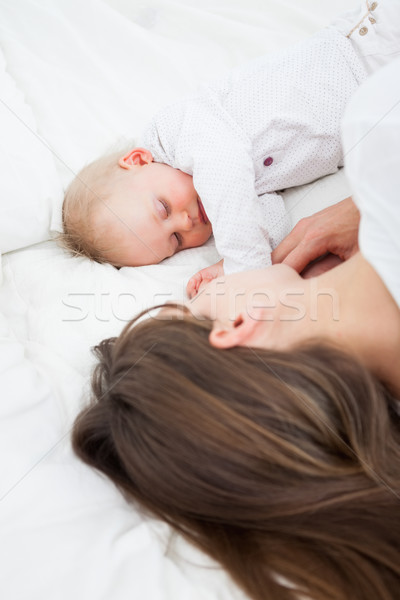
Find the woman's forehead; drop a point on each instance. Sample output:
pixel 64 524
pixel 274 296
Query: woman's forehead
pixel 220 298
pixel 224 297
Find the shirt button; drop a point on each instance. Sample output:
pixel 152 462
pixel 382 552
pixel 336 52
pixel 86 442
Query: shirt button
pixel 268 161
pixel 373 6
pixel 372 20
pixel 363 30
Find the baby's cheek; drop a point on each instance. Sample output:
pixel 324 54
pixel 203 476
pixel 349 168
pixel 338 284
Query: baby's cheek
pixel 200 238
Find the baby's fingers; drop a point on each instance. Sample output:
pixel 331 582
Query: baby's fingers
pixel 193 284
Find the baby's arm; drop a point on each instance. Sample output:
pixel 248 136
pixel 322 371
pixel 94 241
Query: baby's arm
pixel 203 277
pixel 239 220
pixel 199 137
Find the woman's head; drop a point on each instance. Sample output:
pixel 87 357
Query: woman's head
pixel 275 308
pixel 258 308
pixel 273 463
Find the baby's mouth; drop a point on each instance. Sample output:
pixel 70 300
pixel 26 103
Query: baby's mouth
pixel 202 213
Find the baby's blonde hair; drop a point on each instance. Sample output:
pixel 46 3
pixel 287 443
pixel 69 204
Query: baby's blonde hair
pixel 93 185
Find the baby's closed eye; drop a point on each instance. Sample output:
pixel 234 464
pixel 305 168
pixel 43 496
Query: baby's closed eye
pixel 179 240
pixel 162 208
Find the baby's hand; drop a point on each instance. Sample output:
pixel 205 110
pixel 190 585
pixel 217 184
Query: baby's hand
pixel 203 277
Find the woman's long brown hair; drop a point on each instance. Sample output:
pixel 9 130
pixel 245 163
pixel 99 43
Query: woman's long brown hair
pixel 284 467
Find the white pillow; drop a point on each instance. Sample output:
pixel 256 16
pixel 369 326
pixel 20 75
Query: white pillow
pixel 29 181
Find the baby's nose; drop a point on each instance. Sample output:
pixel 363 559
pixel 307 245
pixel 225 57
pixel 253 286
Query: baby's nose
pixel 186 221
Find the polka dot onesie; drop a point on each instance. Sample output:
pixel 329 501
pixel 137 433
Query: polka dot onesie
pixel 269 125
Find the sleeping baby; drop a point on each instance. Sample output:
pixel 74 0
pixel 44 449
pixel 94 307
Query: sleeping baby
pixel 216 161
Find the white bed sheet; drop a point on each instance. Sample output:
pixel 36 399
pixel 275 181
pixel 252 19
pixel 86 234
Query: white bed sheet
pixel 77 78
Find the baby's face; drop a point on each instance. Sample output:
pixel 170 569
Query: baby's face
pixel 154 213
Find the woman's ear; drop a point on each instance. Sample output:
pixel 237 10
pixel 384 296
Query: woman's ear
pixel 135 157
pixel 239 333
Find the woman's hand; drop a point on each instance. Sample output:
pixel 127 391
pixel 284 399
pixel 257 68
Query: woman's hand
pixel 321 265
pixel 203 277
pixel 333 229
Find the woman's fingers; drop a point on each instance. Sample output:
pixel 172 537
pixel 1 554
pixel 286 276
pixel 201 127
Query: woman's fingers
pixel 333 229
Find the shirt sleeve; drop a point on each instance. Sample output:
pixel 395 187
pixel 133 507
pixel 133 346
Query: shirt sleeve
pixel 200 138
pixel 371 131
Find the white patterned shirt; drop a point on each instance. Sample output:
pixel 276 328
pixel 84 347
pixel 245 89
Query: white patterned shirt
pixel 269 125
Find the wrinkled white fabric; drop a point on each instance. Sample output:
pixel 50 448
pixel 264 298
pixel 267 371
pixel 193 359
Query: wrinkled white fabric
pixel 91 72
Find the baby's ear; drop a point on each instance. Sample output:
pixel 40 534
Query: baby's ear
pixel 136 158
